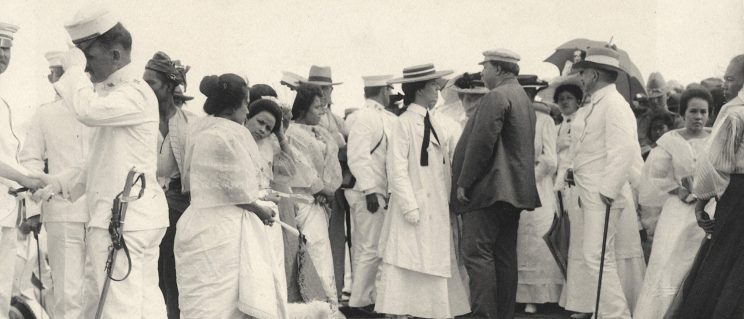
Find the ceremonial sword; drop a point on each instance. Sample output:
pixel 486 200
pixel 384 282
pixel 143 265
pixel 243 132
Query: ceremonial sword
pixel 116 231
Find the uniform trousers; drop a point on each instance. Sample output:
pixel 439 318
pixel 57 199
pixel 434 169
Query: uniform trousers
pixel 7 267
pixel 365 237
pixel 66 251
pixel 139 295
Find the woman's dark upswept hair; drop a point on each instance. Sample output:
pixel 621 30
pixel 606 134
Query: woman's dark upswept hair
pixel 261 90
pixel 226 92
pixel 265 105
pixel 694 92
pixel 305 97
pixel 410 89
pixel 574 89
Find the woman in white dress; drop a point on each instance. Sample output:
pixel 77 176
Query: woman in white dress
pixel 669 169
pixel 317 176
pixel 539 278
pixel 224 267
pixel 419 275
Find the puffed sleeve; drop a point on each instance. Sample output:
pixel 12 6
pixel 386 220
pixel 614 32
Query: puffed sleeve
pixel 711 177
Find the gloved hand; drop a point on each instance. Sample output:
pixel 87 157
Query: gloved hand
pixel 413 217
pixel 74 59
pixel 372 203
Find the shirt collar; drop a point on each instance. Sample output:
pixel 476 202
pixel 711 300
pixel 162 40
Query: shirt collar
pixel 123 74
pixel 601 93
pixel 417 109
pixel 741 94
pixel 372 104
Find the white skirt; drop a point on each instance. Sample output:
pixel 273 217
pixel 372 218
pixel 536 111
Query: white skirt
pixel 406 292
pixel 676 242
pixel 540 278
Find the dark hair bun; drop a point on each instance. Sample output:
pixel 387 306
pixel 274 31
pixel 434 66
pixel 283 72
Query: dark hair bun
pixel 210 85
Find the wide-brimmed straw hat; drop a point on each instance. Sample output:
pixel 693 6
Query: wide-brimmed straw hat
pixel 320 75
pixel 602 58
pixel 423 72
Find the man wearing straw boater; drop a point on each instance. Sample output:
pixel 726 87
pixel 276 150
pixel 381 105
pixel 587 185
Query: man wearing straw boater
pixel 367 149
pixel 123 112
pixel 607 155
pixel 55 135
pixel 493 180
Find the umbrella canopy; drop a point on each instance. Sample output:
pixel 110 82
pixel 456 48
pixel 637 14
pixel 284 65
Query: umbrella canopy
pixel 628 84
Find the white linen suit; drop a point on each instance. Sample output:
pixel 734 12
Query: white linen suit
pixel 607 157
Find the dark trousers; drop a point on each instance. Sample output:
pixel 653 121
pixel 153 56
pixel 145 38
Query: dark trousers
pixel 489 249
pixel 177 204
pixel 337 236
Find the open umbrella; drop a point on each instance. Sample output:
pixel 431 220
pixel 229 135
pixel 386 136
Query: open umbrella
pixel 628 84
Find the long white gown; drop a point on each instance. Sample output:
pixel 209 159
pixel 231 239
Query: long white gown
pixel 677 236
pixel 224 257
pixel 540 278
pixel 419 276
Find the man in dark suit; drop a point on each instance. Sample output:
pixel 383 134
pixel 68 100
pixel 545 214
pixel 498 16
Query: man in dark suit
pixel 493 181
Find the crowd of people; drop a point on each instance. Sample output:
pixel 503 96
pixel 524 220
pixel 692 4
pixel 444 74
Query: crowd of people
pixel 269 208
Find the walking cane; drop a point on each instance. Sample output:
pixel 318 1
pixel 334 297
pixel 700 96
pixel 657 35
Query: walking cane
pixel 602 259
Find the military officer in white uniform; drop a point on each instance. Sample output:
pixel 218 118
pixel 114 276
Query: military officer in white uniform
pixel 123 112
pixel 366 151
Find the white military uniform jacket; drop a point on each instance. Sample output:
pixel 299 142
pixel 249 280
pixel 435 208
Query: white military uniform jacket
pixel 607 153
pixel 56 135
pixel 10 145
pixel 424 247
pixel 124 113
pixel 369 127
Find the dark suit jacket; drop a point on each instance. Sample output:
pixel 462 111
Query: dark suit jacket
pixel 495 157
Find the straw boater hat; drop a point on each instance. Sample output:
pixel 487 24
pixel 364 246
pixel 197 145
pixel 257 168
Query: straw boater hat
pixel 602 58
pixel 6 34
pixel 371 81
pixel 292 80
pixel 320 75
pixel 656 85
pixel 89 23
pixel 423 72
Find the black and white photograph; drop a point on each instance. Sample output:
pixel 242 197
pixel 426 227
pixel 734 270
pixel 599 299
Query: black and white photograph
pixel 402 159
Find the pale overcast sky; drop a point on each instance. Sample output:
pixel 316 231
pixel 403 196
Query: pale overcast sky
pixel 685 40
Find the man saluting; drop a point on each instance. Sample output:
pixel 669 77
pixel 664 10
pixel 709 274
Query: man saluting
pixel 123 111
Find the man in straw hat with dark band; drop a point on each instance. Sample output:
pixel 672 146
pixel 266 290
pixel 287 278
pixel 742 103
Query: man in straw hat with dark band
pixel 493 180
pixel 54 134
pixel 123 110
pixel 419 275
pixel 607 158
pixel 164 76
pixel 370 127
